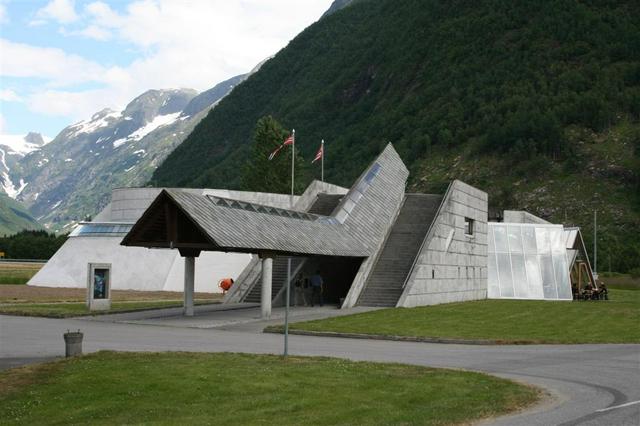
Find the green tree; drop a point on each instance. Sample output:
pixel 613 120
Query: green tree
pixel 31 245
pixel 263 175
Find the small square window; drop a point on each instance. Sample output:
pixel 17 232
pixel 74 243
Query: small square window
pixel 468 226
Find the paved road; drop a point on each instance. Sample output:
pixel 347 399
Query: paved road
pixel 590 384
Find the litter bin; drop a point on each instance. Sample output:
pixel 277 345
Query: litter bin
pixel 73 343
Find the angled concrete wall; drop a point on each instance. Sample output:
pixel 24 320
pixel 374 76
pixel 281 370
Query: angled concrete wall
pixel 372 216
pixel 135 268
pixel 452 266
pixel 306 200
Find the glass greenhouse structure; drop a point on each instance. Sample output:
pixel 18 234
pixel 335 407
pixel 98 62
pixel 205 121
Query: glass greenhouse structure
pixel 528 261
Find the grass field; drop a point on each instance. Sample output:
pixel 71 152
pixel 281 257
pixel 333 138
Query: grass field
pixel 31 294
pixel 18 273
pixel 620 281
pixel 504 321
pixel 235 389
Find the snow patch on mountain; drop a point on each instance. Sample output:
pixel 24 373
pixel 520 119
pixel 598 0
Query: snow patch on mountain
pixel 98 120
pixel 7 184
pixel 19 144
pixel 158 121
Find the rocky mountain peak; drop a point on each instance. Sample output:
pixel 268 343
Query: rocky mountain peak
pixel 158 102
pixel 34 139
pixel 102 114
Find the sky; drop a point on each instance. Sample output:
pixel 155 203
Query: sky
pixel 63 60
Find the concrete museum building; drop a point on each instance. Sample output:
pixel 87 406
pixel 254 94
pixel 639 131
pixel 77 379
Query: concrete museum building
pixel 374 244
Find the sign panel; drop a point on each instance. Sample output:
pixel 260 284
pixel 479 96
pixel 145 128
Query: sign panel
pixel 99 286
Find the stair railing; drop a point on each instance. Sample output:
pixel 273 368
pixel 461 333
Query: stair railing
pixel 243 284
pixel 295 270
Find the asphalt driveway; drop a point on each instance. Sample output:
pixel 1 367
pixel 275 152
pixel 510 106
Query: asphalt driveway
pixel 589 384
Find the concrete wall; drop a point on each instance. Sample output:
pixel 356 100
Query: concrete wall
pixel 452 266
pixel 520 216
pixel 135 268
pixel 306 200
pixel 372 217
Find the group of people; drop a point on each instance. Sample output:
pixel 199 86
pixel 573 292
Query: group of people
pixel 308 290
pixel 590 292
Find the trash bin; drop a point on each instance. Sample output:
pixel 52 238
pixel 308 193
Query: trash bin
pixel 73 343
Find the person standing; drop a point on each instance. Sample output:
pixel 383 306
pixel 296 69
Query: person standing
pixel 316 287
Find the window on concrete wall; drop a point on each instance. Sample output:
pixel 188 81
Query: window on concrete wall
pixel 468 226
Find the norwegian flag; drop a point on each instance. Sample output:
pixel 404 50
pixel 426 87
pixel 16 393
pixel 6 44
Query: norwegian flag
pixel 274 153
pixel 319 154
pixel 288 141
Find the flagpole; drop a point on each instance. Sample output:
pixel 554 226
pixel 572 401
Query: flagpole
pixel 322 159
pixel 288 289
pixel 293 162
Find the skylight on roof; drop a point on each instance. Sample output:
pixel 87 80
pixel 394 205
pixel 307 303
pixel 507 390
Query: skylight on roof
pixel 93 229
pixel 259 208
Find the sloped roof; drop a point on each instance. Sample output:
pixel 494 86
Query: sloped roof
pixel 280 230
pixel 355 229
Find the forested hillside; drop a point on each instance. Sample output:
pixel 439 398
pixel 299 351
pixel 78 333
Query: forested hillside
pixel 537 103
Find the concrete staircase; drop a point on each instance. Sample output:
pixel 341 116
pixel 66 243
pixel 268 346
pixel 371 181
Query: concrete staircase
pixel 385 283
pixel 278 278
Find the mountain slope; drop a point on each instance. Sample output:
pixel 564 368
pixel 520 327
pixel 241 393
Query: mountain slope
pixel 12 151
pixel 498 83
pixel 14 217
pixel 71 177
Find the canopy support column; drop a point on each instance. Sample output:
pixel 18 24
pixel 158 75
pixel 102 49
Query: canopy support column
pixel 265 296
pixel 189 279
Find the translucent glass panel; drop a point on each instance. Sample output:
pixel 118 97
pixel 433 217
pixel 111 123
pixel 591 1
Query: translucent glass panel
pixel 527 261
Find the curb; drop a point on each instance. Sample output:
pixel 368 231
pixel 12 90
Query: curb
pixel 400 338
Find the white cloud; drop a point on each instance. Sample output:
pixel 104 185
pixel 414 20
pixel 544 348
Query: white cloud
pixel 195 44
pixel 8 95
pixel 91 31
pixel 62 11
pixel 75 105
pixel 54 65
pixel 2 124
pixel 200 42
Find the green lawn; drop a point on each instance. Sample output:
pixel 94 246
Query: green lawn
pixel 506 321
pixel 236 389
pixel 65 310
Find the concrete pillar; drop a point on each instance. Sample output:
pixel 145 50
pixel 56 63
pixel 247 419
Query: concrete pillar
pixel 265 299
pixel 189 278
